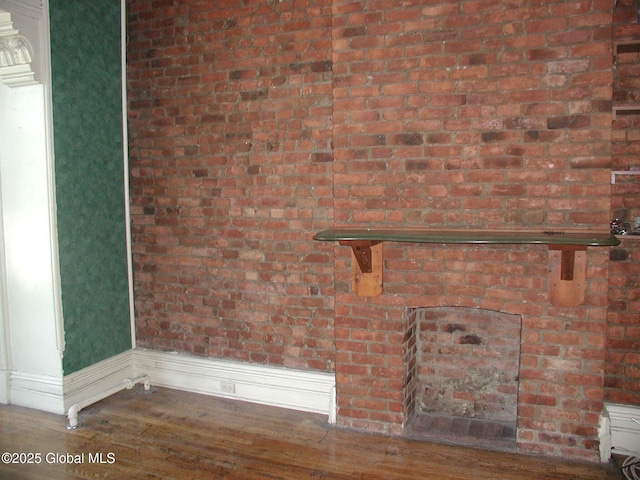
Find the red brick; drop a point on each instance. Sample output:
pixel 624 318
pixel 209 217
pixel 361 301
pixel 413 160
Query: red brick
pixel 409 118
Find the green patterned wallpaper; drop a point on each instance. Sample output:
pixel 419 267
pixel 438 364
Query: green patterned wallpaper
pixel 87 119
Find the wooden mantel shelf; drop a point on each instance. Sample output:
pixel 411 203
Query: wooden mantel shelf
pixel 459 235
pixel 567 253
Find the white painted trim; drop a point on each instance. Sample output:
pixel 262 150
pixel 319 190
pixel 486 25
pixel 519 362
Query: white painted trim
pixel 125 156
pixel 51 174
pixel 5 380
pixel 305 391
pixel 32 390
pixel 280 387
pixel 625 433
pixel 5 335
pixel 98 381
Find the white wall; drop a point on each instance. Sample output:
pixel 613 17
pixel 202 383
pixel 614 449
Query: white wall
pixel 31 335
pixel 5 365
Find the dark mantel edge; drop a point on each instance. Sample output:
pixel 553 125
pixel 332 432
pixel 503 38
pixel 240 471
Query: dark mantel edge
pixel 470 236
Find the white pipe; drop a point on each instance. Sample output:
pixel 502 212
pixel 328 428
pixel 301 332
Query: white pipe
pixel 128 384
pixel 144 379
pixel 72 416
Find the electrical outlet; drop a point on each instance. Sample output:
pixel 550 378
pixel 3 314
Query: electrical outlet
pixel 227 387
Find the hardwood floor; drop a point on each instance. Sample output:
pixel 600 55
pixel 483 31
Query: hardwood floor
pixel 169 434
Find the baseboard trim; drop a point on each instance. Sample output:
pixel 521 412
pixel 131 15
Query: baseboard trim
pixel 98 381
pixel 41 392
pixel 5 381
pixel 274 386
pixel 625 433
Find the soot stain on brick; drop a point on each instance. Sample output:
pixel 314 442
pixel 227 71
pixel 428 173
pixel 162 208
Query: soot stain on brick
pixel 410 139
pixel 354 31
pixel 325 66
pixel 570 121
pixel 515 151
pixel 321 157
pixel 417 165
pixel 470 340
pixel 454 327
pixel 493 136
pixel 618 255
pixel 254 95
pixel 240 74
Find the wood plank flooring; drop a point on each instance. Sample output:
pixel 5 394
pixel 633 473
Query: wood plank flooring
pixel 169 434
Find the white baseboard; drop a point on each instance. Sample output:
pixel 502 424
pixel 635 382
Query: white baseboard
pixel 98 381
pixel 625 433
pixel 36 391
pixel 280 387
pixel 5 376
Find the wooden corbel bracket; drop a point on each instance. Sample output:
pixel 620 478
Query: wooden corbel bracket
pixel 567 253
pixel 366 267
pixel 567 275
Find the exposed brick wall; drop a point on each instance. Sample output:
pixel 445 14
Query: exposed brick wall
pixel 230 120
pixel 256 123
pixel 474 114
pixel 623 331
pixel 625 139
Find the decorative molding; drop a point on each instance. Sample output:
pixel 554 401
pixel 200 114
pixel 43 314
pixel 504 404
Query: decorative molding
pixel 32 7
pixel 279 387
pixel 16 55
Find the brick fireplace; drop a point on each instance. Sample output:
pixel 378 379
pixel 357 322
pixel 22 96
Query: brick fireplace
pixel 461 377
pixel 479 115
pixel 524 375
